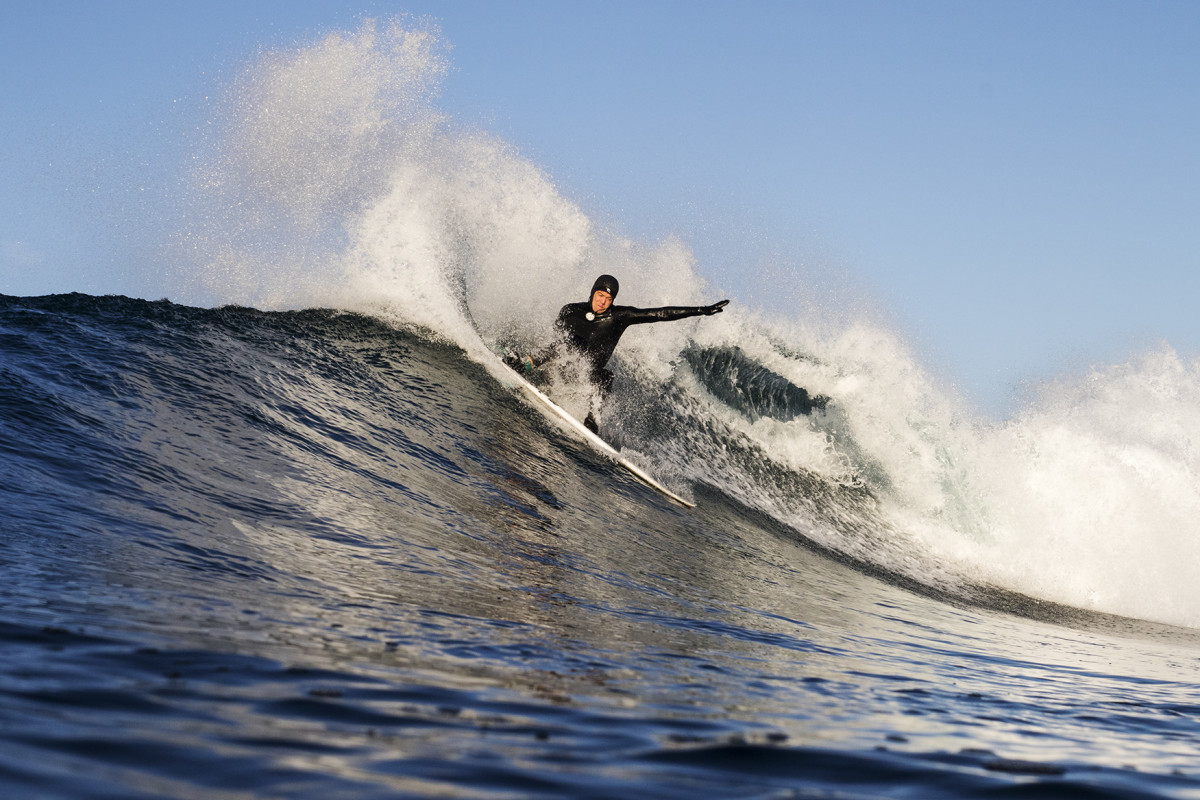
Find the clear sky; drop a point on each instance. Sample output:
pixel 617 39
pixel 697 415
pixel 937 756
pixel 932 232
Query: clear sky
pixel 1014 185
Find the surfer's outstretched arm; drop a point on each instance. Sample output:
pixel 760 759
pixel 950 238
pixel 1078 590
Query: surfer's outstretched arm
pixel 639 316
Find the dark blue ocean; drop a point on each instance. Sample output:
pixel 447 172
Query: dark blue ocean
pixel 318 554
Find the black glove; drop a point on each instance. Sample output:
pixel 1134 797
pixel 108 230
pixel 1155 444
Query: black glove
pixel 715 308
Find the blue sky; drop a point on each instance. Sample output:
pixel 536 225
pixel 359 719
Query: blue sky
pixel 1013 185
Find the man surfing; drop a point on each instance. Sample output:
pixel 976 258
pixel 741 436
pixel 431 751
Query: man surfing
pixel 593 328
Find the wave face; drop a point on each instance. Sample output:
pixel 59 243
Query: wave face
pixel 291 525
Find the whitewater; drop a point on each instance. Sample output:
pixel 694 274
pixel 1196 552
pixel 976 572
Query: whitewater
pixel 285 534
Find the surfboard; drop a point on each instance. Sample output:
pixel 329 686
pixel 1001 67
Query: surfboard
pixel 604 448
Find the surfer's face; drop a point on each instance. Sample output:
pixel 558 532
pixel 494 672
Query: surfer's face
pixel 601 300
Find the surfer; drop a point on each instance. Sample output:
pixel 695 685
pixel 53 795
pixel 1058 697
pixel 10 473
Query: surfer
pixel 592 329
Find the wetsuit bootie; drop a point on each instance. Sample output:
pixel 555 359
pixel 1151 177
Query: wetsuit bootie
pixel 589 422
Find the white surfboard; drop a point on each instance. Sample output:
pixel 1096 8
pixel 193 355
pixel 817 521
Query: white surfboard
pixel 595 441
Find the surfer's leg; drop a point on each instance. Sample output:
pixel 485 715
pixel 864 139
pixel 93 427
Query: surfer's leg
pixel 602 379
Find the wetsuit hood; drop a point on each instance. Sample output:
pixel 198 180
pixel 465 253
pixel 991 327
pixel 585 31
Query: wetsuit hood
pixel 605 283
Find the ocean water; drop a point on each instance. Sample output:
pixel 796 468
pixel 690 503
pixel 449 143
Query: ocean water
pixel 286 535
pixel 309 554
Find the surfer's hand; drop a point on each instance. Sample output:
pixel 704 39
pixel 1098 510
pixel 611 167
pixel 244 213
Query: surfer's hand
pixel 519 363
pixel 715 308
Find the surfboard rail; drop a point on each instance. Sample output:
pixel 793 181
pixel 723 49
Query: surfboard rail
pixel 603 447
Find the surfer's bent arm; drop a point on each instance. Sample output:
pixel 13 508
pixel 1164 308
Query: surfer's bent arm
pixel 528 363
pixel 550 352
pixel 532 361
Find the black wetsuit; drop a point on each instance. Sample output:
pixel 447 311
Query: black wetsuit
pixel 595 336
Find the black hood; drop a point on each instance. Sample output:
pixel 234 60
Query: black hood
pixel 606 283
